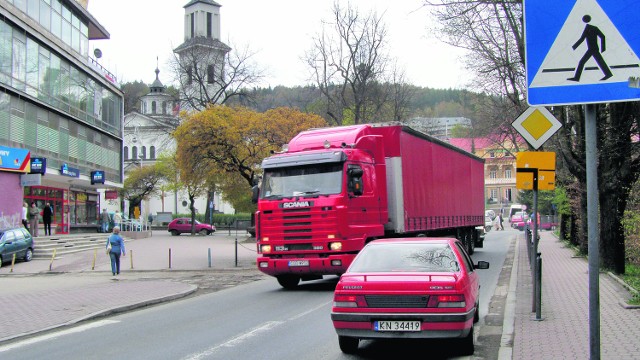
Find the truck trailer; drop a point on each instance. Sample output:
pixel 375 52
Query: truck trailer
pixel 332 190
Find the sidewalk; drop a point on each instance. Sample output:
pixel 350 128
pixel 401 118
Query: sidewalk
pixel 36 299
pixel 563 332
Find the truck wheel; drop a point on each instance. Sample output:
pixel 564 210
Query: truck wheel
pixel 288 281
pixel 348 345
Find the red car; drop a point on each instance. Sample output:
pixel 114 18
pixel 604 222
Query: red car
pixel 408 288
pixel 183 225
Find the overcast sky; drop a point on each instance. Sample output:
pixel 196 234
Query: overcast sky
pixel 279 31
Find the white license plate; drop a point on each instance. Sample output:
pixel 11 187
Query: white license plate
pixel 396 325
pixel 299 263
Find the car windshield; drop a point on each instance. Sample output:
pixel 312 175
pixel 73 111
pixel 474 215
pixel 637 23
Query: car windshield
pixel 388 257
pixel 315 179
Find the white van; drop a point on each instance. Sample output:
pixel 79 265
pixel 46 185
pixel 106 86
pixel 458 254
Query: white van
pixel 514 209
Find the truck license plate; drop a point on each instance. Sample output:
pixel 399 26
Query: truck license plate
pixel 396 325
pixel 299 263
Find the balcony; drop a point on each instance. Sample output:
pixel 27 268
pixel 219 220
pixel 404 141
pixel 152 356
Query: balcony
pixel 500 181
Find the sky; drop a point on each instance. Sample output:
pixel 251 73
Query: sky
pixel 278 31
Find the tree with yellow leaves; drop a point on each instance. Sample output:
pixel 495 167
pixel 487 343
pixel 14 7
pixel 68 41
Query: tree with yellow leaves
pixel 234 140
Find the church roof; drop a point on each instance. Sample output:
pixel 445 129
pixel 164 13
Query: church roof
pixel 210 2
pixel 203 41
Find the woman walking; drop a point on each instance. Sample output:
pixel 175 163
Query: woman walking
pixel 115 247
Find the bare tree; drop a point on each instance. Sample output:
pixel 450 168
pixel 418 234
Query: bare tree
pixel 210 72
pixel 348 62
pixel 492 33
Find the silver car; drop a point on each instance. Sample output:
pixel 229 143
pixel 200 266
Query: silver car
pixel 15 242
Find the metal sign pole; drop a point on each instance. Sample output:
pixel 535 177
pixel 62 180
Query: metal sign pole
pixel 592 223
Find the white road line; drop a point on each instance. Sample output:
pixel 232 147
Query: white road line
pixel 57 334
pixel 249 334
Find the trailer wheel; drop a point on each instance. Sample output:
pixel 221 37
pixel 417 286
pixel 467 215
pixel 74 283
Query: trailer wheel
pixel 288 281
pixel 469 241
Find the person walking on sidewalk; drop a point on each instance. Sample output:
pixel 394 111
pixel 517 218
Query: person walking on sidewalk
pixel 500 222
pixel 115 248
pixel 104 221
pixel 34 219
pixel 25 212
pixel 117 218
pixel 46 219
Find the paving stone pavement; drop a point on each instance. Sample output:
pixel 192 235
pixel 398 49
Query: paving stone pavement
pixel 563 332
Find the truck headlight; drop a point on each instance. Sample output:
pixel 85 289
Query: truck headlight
pixel 265 248
pixel 335 246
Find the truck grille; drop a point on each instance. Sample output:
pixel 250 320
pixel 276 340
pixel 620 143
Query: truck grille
pixel 299 224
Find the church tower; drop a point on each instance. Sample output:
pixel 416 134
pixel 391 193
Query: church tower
pixel 201 55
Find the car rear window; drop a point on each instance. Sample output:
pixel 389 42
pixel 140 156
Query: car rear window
pixel 389 257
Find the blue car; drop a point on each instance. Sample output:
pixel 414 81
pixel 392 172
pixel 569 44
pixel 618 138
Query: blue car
pixel 16 241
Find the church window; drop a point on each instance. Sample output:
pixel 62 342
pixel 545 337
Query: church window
pixel 143 153
pixel 134 152
pixel 209 25
pixel 164 107
pixel 210 74
pixel 126 153
pixel 193 25
pixel 152 152
pixel 189 75
pixel 153 107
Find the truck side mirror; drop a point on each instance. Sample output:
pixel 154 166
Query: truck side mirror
pixel 255 194
pixel 355 180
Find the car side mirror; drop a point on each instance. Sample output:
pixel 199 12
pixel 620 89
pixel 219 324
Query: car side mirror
pixel 481 265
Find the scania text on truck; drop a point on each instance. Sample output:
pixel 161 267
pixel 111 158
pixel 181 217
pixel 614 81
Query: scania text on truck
pixel 332 190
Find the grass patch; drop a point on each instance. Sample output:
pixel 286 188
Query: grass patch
pixel 632 278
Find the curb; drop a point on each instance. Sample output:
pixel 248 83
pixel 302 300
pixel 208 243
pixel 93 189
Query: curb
pixel 506 341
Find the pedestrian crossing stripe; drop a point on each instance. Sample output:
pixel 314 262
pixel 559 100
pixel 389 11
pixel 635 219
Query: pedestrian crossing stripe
pixel 560 63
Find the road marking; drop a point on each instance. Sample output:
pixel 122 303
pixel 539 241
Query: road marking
pixel 57 334
pixel 249 334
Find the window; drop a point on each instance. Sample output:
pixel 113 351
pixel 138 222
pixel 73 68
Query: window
pixel 143 153
pixel 494 193
pixel 507 173
pixel 493 174
pixel 164 107
pixel 193 24
pixel 507 194
pixel 134 153
pixel 210 74
pixel 153 107
pixel 126 153
pixel 152 152
pixel 492 154
pixel 209 25
pixel 189 76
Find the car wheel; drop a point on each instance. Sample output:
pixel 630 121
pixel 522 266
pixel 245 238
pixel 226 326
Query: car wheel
pixel 348 345
pixel 1 261
pixel 288 281
pixel 466 344
pixel 28 255
pixel 175 232
pixel 204 232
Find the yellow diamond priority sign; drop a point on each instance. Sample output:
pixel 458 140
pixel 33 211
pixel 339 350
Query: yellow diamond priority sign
pixel 536 125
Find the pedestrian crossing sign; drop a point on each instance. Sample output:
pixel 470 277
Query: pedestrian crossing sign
pixel 583 51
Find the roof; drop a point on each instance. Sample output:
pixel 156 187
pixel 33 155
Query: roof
pixel 203 41
pixel 210 2
pixel 466 143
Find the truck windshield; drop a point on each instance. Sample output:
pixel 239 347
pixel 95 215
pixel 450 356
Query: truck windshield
pixel 312 180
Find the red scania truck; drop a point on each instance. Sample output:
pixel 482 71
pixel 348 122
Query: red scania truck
pixel 332 190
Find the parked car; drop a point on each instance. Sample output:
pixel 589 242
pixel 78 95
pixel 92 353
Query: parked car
pixel 16 241
pixel 519 217
pixel 488 223
pixel 183 225
pixel 408 288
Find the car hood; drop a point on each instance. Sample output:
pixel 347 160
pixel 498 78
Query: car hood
pixel 404 281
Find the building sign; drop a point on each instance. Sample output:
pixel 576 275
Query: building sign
pixel 30 180
pixel 97 177
pixel 13 159
pixel 38 165
pixel 111 194
pixel 69 171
